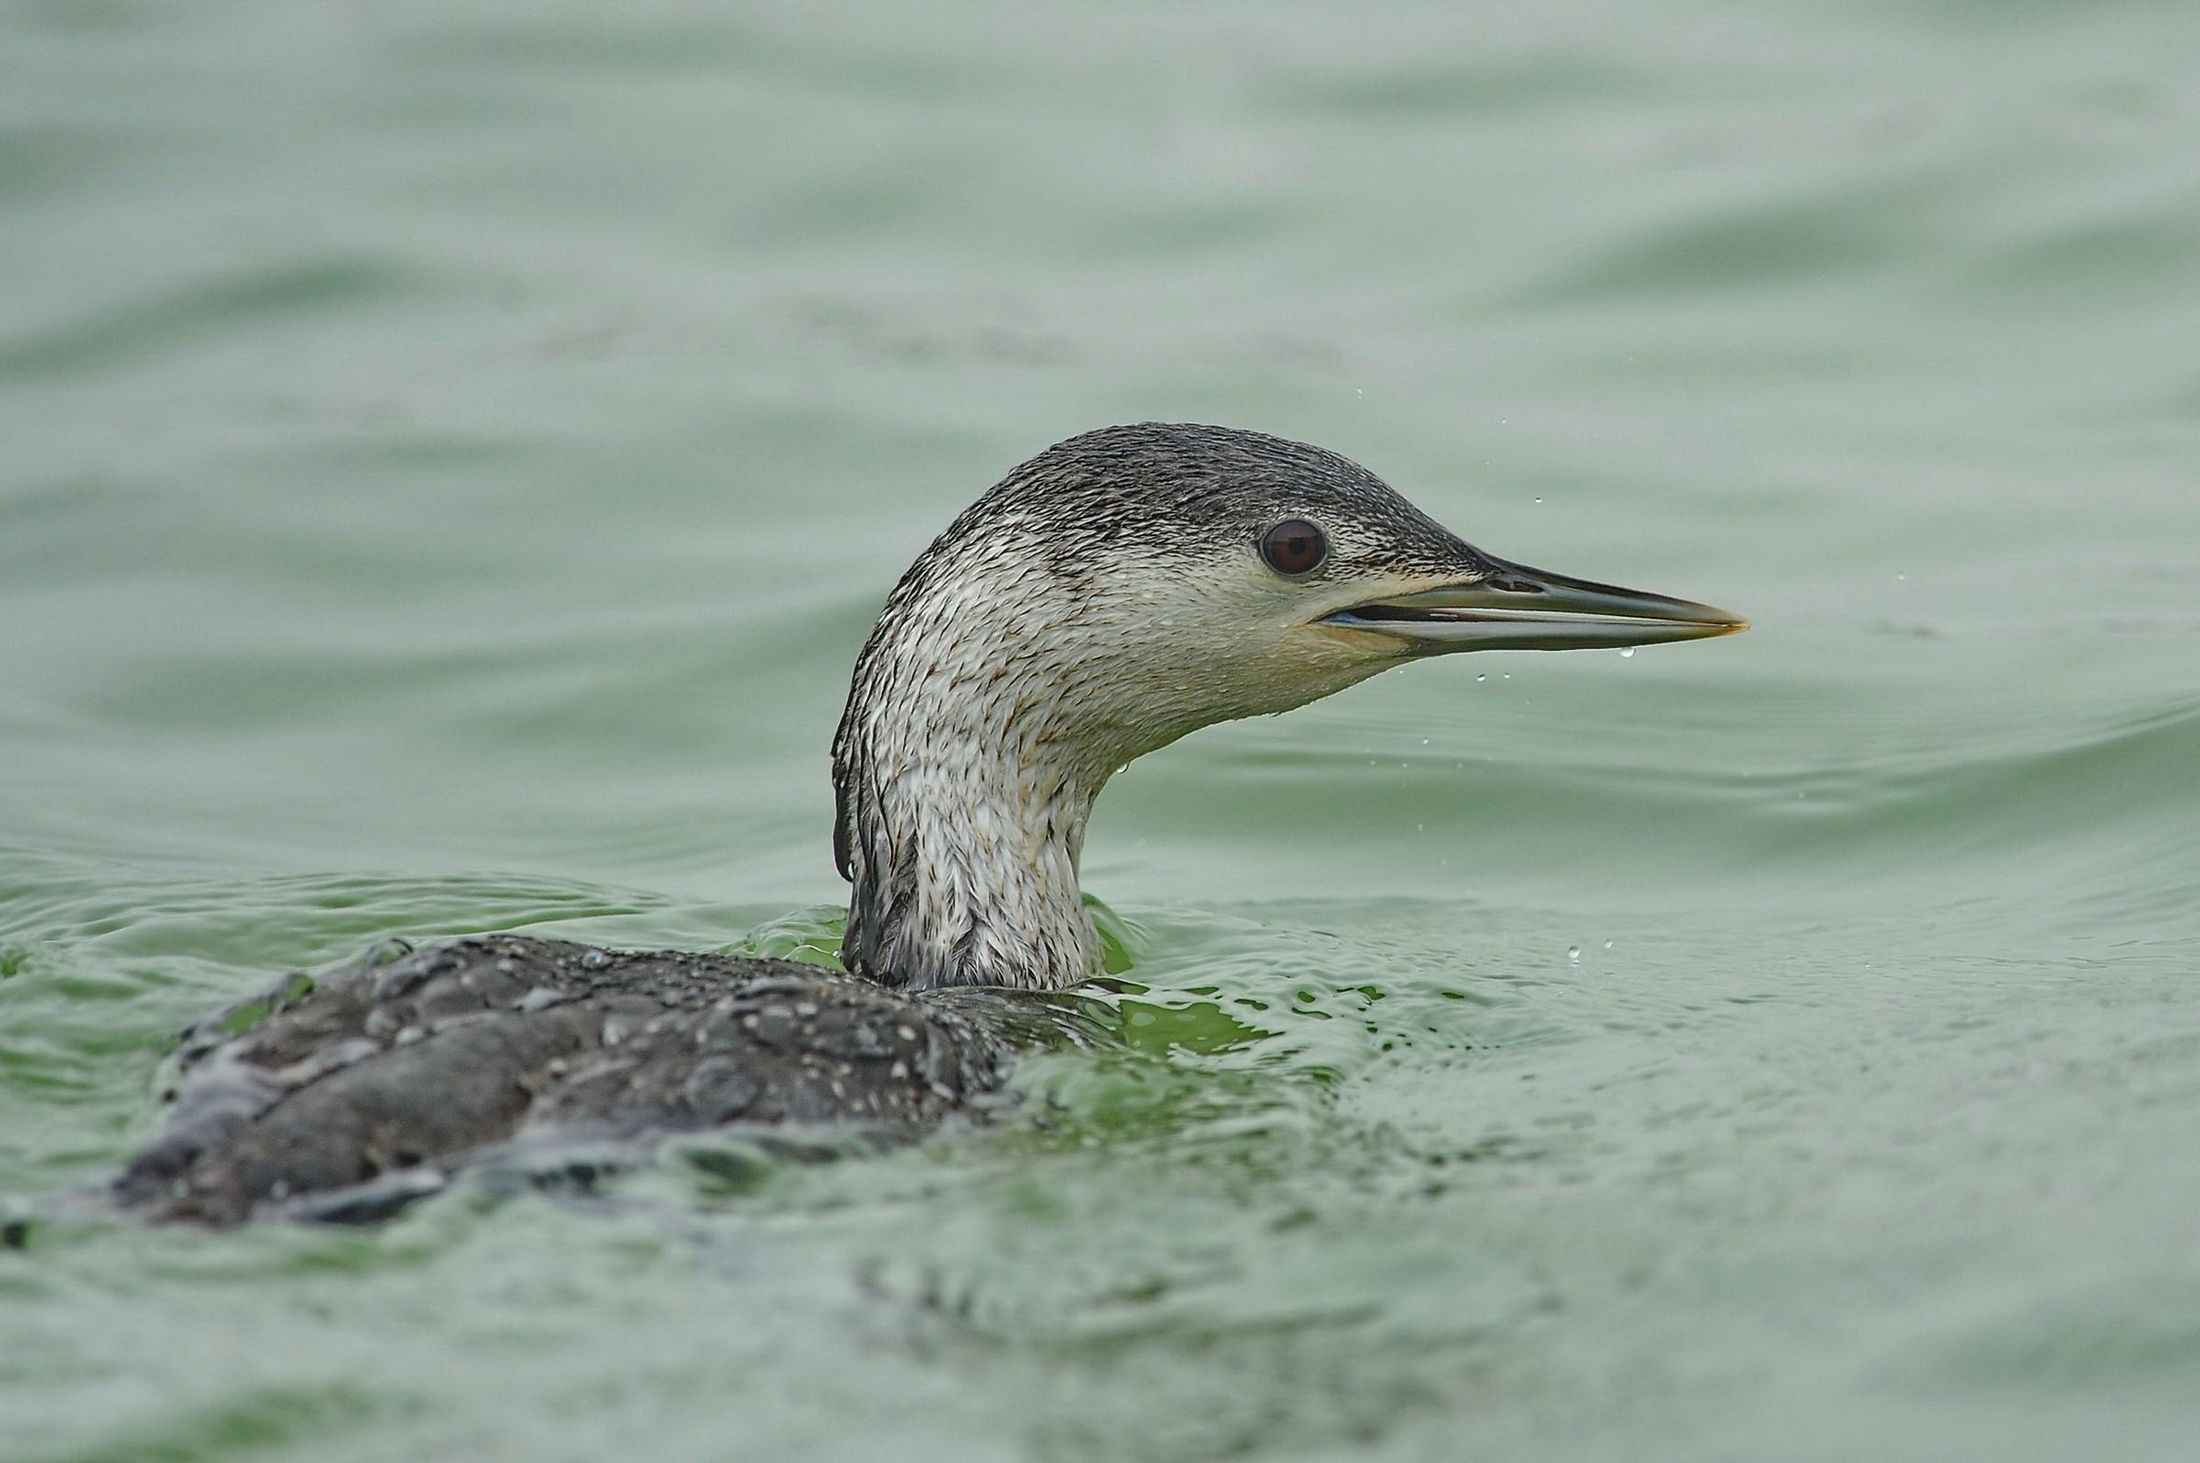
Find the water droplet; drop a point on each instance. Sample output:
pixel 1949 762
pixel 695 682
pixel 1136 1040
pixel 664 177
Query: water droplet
pixel 1573 953
pixel 1539 500
pixel 1481 678
pixel 1628 653
pixel 1607 944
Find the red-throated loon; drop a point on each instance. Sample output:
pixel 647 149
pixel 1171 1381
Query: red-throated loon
pixel 1120 589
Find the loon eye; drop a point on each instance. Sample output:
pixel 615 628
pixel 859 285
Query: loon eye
pixel 1294 547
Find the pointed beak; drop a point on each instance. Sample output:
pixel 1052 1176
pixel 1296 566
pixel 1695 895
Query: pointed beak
pixel 1512 607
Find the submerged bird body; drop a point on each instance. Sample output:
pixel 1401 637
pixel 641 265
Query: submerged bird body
pixel 1115 592
pixel 362 1092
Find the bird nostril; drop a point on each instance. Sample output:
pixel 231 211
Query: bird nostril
pixel 1517 586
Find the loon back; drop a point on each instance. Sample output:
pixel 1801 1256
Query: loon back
pixel 1117 591
pixel 367 1089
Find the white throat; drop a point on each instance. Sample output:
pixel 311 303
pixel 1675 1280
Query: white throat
pixel 964 866
pixel 963 789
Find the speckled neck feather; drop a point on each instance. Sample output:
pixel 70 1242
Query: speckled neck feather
pixel 963 794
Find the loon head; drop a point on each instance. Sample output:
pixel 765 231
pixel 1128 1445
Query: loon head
pixel 1117 591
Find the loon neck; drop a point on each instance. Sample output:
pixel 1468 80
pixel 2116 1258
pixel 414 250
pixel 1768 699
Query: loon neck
pixel 964 771
pixel 961 842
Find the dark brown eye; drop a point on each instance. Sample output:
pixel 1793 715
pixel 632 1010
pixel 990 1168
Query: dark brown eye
pixel 1294 547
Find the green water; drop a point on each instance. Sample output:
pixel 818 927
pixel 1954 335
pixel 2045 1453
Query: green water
pixel 451 454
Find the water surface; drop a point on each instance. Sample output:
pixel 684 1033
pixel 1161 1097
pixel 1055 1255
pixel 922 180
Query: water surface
pixel 453 454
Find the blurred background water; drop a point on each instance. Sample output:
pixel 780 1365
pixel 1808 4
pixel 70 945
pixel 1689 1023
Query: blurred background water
pixel 452 454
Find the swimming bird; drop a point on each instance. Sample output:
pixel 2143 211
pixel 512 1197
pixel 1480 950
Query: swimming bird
pixel 1120 589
